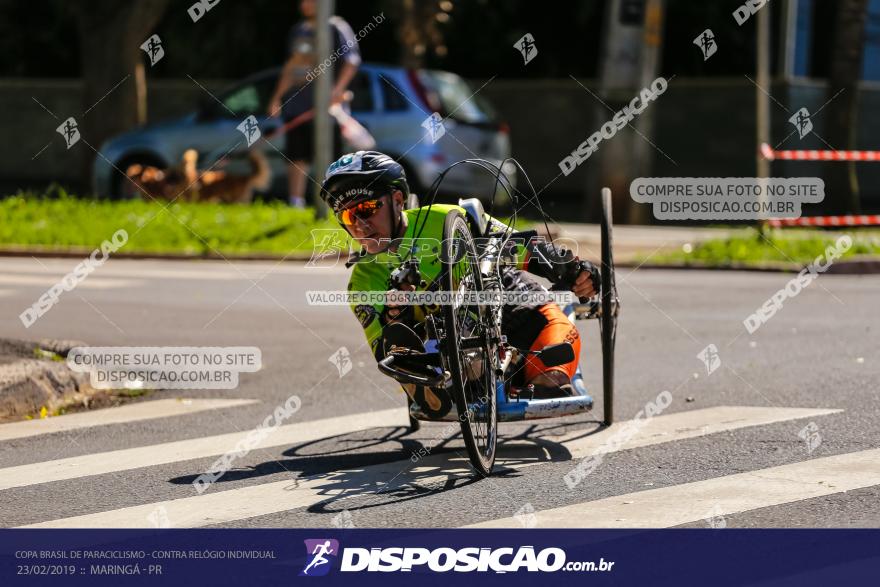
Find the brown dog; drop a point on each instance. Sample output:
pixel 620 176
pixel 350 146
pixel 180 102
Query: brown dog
pixel 220 186
pixel 152 183
pixel 184 182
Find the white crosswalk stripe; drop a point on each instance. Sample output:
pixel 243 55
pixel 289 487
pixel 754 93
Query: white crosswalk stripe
pixel 184 450
pixel 720 496
pixel 218 506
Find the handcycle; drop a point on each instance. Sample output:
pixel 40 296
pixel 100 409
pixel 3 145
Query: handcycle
pixel 462 353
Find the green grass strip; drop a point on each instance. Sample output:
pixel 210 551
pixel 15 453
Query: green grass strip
pixel 777 246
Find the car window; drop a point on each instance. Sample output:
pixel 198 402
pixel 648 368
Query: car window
pixel 392 95
pixel 458 97
pixel 247 99
pixel 362 89
pixel 244 101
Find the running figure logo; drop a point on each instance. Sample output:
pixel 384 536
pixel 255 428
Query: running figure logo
pixel 318 550
pixel 154 50
pixel 250 129
pixel 710 358
pixel 434 125
pixel 811 436
pixel 329 244
pixel 342 360
pixel 801 121
pixel 69 131
pixel 526 46
pixel 706 43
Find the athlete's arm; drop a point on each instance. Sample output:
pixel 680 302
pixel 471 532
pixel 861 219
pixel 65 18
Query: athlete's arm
pixel 366 278
pixel 554 262
pixel 373 277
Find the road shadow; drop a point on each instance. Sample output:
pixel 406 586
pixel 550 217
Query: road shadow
pixel 379 466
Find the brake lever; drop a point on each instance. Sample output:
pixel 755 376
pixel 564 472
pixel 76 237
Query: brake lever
pixel 407 274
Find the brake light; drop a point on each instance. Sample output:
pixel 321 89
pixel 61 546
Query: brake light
pixel 504 128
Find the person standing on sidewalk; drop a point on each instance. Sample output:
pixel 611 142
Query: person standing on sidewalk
pixel 294 97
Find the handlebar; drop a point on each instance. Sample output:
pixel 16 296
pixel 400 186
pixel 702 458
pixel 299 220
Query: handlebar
pixel 407 374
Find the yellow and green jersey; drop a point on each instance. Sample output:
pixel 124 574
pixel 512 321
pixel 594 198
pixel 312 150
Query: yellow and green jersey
pixel 423 236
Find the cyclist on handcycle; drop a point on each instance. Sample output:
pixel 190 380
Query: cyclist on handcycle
pixel 367 192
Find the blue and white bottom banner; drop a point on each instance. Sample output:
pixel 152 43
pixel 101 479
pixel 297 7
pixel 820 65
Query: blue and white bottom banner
pixel 417 557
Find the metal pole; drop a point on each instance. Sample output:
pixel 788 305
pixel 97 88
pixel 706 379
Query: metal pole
pixel 763 90
pixel 630 54
pixel 323 121
pixel 649 65
pixel 763 103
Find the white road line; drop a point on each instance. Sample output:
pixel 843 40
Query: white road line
pixel 184 450
pixel 721 496
pixel 113 272
pixel 690 424
pixel 218 506
pixel 147 410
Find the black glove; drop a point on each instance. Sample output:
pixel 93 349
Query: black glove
pixel 559 265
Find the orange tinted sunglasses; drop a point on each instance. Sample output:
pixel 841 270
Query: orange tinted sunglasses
pixel 361 210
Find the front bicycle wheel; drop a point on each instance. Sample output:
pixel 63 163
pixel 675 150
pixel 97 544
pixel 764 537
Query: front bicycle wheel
pixel 470 352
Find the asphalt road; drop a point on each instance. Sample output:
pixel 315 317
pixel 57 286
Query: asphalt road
pixel 819 352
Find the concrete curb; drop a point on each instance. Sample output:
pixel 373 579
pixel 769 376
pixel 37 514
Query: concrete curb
pixel 869 266
pixel 32 377
pixel 83 253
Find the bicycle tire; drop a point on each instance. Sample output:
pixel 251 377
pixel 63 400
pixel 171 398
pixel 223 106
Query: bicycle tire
pixel 610 308
pixel 479 428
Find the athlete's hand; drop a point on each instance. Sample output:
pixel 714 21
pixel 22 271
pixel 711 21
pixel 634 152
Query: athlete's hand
pixel 583 286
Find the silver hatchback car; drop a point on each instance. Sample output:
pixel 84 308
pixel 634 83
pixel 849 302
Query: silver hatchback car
pixel 391 102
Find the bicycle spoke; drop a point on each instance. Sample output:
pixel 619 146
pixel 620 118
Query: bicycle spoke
pixel 474 365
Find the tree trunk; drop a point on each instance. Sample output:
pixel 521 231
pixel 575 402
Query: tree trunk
pixel 841 182
pixel 629 61
pixel 114 95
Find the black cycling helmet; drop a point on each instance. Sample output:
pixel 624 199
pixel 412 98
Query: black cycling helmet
pixel 361 176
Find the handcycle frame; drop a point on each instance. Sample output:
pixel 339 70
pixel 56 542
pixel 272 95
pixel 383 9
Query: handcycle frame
pixel 514 409
pixel 518 408
pixel 510 403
